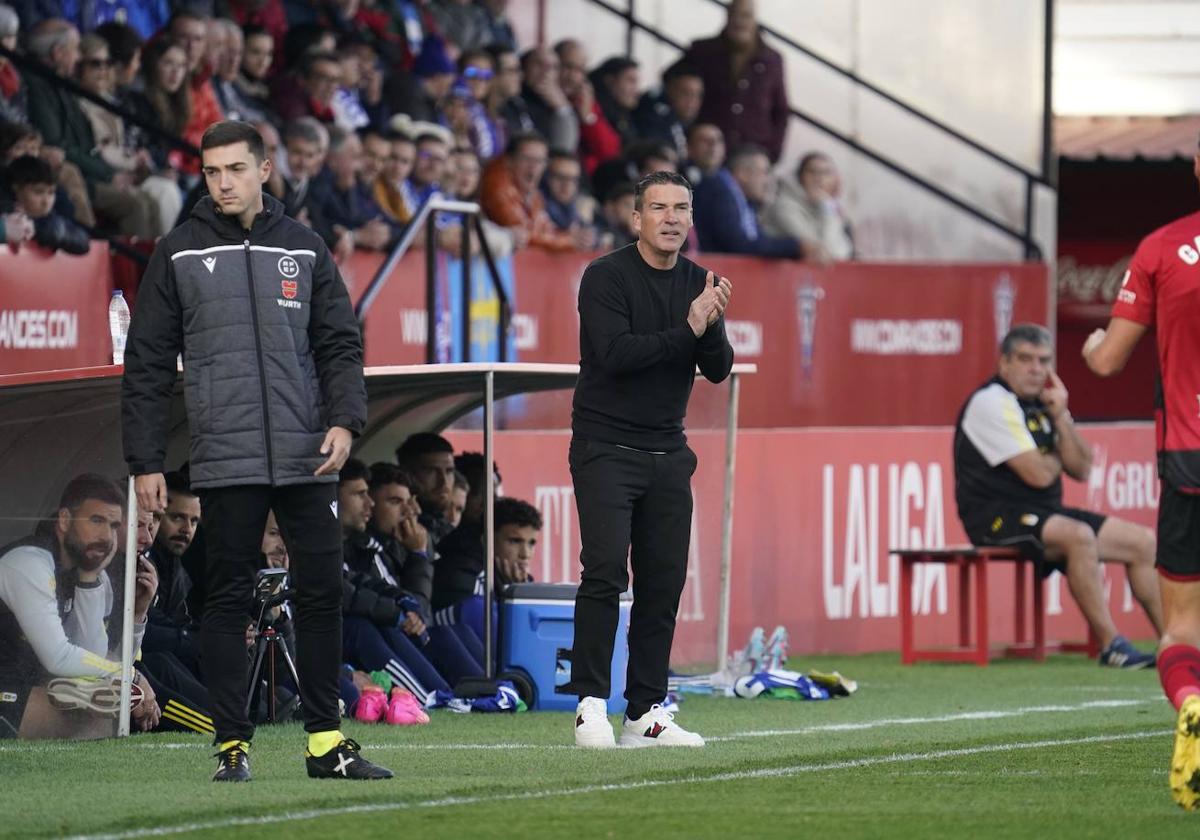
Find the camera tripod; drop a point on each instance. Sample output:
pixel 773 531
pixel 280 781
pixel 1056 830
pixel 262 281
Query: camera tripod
pixel 269 645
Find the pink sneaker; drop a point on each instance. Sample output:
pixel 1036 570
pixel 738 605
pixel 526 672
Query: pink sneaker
pixel 371 706
pixel 404 709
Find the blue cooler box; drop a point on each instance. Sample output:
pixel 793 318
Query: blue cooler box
pixel 537 630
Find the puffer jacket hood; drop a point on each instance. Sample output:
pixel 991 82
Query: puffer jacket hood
pixel 272 351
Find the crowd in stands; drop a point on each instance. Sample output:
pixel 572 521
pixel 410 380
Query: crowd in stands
pixel 413 585
pixel 369 108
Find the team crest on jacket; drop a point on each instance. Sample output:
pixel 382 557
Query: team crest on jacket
pixel 288 266
pixel 290 287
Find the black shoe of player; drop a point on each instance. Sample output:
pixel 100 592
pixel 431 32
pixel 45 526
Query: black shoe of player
pixel 233 764
pixel 344 762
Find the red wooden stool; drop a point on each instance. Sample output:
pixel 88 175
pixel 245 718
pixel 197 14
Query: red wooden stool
pixel 972 561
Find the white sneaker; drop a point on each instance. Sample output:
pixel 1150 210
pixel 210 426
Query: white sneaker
pixel 657 728
pixel 592 728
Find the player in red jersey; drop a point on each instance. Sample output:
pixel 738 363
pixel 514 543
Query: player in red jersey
pixel 1161 290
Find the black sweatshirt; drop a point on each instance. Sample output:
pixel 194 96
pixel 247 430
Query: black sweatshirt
pixel 638 356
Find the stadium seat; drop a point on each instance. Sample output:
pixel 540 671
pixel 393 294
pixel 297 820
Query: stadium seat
pixel 972 563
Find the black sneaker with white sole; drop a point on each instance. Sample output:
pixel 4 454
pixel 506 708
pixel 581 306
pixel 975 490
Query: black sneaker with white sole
pixel 344 762
pixel 233 764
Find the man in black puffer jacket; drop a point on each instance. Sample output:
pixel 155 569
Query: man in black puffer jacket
pixel 273 384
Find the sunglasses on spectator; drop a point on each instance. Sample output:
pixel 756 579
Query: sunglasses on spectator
pixel 483 74
pixel 424 154
pixel 97 62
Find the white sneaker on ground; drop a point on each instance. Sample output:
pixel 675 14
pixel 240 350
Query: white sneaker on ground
pixel 657 728
pixel 592 728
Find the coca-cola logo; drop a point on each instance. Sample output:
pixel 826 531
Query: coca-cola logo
pixel 1090 283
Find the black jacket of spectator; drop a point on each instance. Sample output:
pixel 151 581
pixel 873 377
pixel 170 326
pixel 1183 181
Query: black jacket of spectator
pixel 57 115
pixel 169 624
pixel 621 119
pixel 403 93
pixel 655 119
pixel 460 560
pixel 272 351
pixel 539 111
pixel 717 218
pixel 750 109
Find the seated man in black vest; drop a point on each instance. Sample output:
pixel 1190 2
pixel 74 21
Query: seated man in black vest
pixel 1013 442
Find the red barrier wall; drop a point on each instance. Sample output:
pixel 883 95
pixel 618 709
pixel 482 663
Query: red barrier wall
pixel 54 309
pixel 852 344
pixel 815 513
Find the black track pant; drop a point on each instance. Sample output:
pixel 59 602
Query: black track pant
pixel 629 499
pixel 233 520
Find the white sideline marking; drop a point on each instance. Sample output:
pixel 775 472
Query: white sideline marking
pixel 986 714
pixel 764 773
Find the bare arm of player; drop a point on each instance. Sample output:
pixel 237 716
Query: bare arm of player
pixel 1037 469
pixel 1075 452
pixel 1107 351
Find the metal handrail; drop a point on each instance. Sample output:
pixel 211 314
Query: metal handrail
pixel 425 220
pixel 899 103
pixel 1032 249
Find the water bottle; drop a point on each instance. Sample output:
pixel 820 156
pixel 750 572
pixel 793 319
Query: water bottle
pixel 118 325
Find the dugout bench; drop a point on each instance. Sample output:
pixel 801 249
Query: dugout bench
pixel 972 564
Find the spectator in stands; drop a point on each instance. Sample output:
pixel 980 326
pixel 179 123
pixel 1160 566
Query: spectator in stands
pixel 727 206
pixel 500 31
pixel 125 50
pixel 504 103
pixel 560 190
pixel 617 82
pixel 15 228
pixel 545 103
pixel 390 188
pixel 165 100
pixel 598 140
pixel 420 93
pixel 429 459
pixel 511 197
pixel 54 598
pixel 17 139
pixel 807 207
pixel 320 77
pixel 190 31
pixel 347 203
pixel 705 152
pixel 424 182
pixel 465 187
pixel 273 146
pixel 667 115
pixel 32 183
pixel 13 95
pixel 227 44
pixel 1014 441
pixel 306 143
pixel 462 23
pixel 348 109
pixel 477 69
pixel 615 225
pixel 375 151
pixel 117 146
pixel 62 123
pixel 458 115
pixel 744 90
pixel 251 86
pixel 171 628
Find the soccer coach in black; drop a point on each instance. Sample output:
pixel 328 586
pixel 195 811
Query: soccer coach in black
pixel 273 384
pixel 647 318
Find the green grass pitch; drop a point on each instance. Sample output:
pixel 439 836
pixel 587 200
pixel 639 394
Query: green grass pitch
pixel 1015 750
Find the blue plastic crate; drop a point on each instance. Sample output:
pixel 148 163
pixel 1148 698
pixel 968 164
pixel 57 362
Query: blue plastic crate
pixel 537 624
